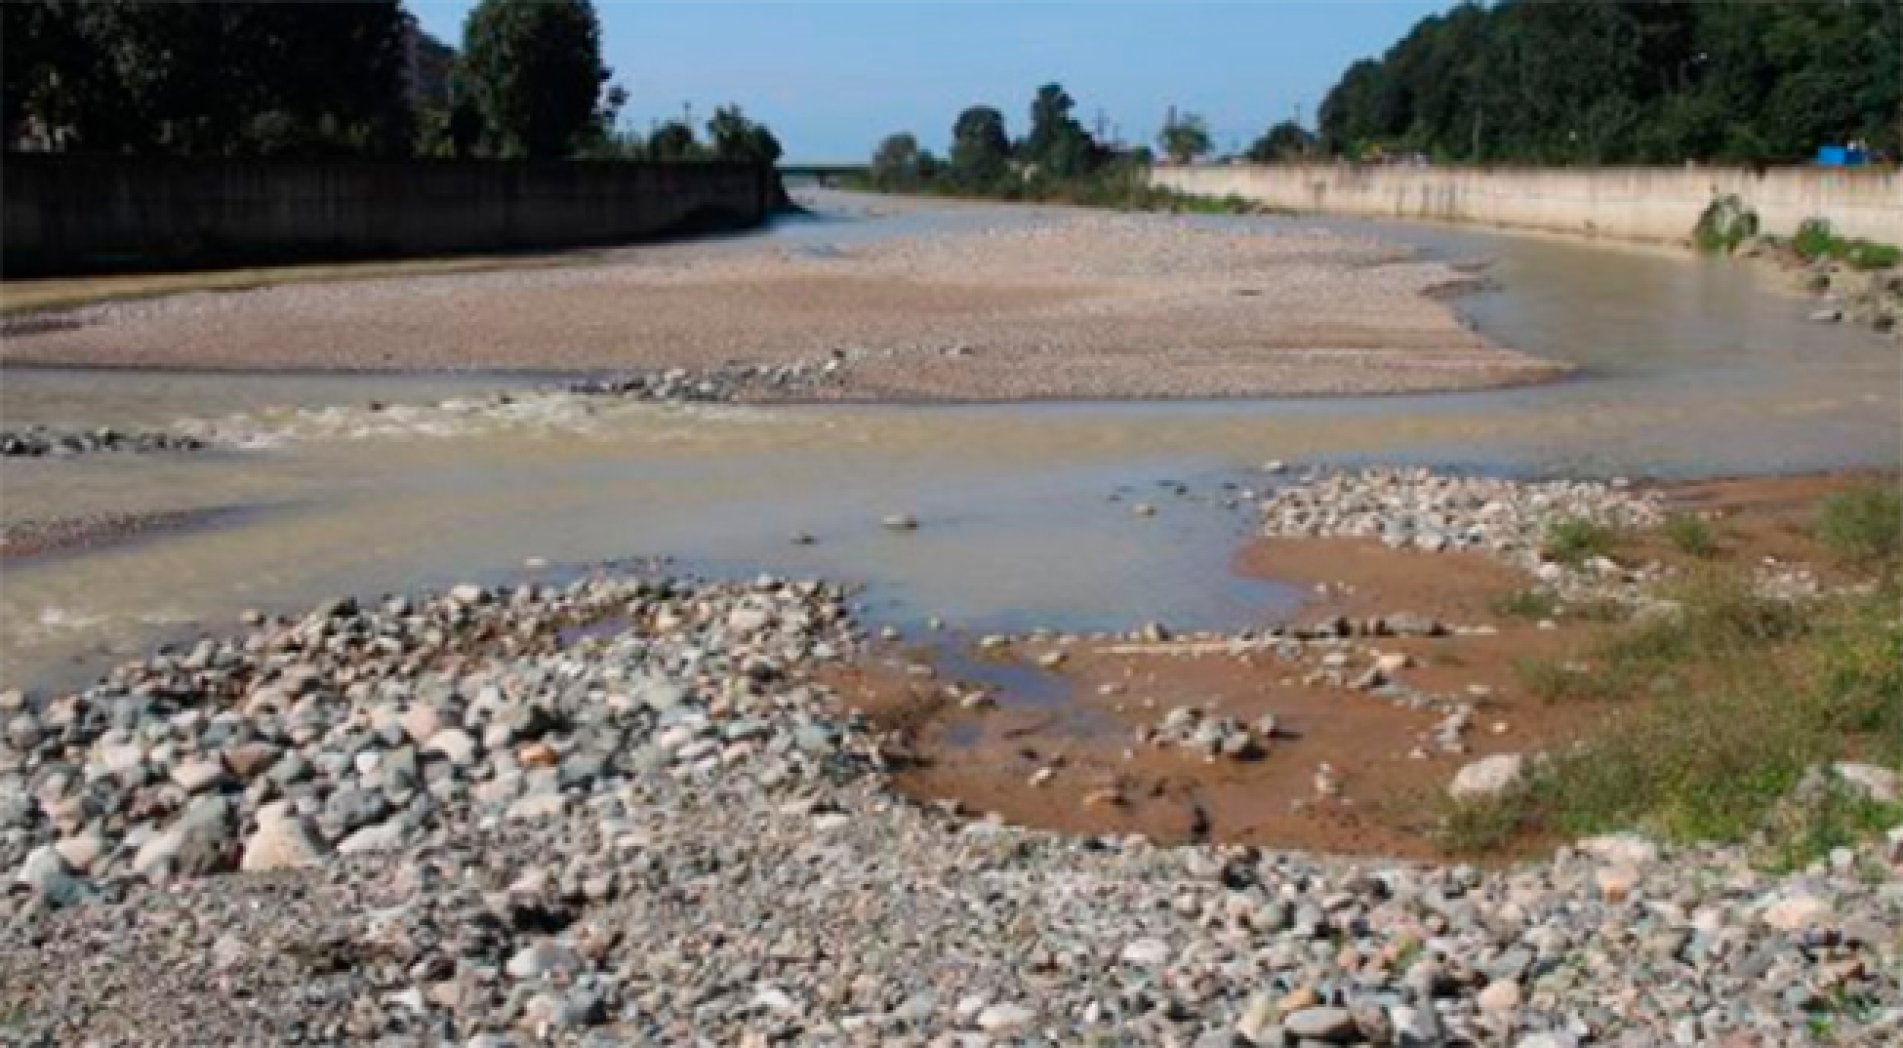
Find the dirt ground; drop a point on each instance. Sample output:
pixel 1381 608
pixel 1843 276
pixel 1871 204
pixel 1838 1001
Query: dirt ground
pixel 1391 776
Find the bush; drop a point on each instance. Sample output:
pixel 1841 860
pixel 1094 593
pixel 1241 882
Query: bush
pixel 1814 240
pixel 1575 540
pixel 1690 535
pixel 1724 224
pixel 1862 526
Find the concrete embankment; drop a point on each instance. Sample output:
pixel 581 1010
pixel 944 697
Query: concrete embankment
pixel 1649 204
pixel 87 214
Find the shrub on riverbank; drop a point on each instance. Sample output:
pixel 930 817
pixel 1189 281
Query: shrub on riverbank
pixel 1816 240
pixel 1724 224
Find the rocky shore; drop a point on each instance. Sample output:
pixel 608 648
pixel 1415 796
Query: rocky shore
pixel 39 442
pixel 628 810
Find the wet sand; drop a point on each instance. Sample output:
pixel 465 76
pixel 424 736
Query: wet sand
pixel 1073 305
pixel 1392 778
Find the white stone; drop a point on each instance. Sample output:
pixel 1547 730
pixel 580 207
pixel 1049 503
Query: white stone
pixel 1005 1018
pixel 1876 784
pixel 1147 953
pixel 1487 777
pixel 1796 912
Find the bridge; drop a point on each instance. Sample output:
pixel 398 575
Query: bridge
pixel 822 175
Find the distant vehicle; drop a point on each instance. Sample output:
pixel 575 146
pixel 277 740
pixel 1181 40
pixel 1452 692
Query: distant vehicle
pixel 1853 155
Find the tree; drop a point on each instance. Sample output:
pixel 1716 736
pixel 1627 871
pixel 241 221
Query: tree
pixel 225 78
pixel 535 73
pixel 1057 143
pixel 737 138
pixel 1287 140
pixel 1613 81
pixel 1184 137
pixel 895 164
pixel 674 140
pixel 981 151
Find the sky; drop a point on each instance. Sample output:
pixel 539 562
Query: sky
pixel 833 77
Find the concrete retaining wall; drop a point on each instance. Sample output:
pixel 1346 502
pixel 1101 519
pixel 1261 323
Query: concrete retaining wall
pixel 78 214
pixel 1653 204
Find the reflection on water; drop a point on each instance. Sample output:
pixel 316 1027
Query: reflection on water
pixel 1687 368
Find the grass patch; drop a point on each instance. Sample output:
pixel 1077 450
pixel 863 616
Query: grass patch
pixel 1748 693
pixel 1863 527
pixel 1691 535
pixel 1575 540
pixel 1553 682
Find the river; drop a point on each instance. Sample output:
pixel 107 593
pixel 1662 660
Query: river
pixel 1686 367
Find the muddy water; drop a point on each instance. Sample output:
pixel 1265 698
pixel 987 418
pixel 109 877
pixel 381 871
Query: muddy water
pixel 1687 368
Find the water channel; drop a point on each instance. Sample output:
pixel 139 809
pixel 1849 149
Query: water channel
pixel 1686 367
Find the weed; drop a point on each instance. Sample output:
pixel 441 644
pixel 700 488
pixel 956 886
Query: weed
pixel 1575 540
pixel 1559 681
pixel 1691 535
pixel 1749 692
pixel 1862 526
pixel 1527 604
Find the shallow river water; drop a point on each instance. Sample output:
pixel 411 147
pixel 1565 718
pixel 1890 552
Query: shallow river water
pixel 1687 367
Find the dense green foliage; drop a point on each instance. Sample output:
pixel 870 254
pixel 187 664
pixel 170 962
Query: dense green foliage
pixel 980 150
pixel 313 79
pixel 1057 144
pixel 734 137
pixel 533 69
pixel 1609 81
pixel 204 78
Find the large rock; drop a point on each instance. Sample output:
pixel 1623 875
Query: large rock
pixel 201 843
pixel 1333 1025
pixel 201 775
pixel 46 875
pixel 1869 781
pixel 281 843
pixel 1488 777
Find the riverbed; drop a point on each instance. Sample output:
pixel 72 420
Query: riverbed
pixel 1683 367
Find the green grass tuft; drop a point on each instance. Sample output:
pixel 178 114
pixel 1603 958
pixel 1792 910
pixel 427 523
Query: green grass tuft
pixel 1862 527
pixel 1691 535
pixel 1575 540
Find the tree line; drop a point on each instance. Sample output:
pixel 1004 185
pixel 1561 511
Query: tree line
pixel 1627 81
pixel 1057 158
pixel 329 79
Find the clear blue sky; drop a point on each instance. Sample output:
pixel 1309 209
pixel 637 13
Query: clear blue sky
pixel 832 78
